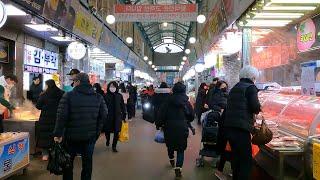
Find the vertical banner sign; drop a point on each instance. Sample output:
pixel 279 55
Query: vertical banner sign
pixel 306 35
pixel 316 161
pixel 156 13
pixel 215 25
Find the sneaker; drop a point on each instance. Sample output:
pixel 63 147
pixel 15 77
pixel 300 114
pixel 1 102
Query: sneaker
pixel 178 172
pixel 172 161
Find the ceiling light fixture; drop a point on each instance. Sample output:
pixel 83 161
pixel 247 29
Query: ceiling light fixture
pixel 278 15
pixel 129 40
pixel 62 39
pixel 155 69
pixel 293 2
pixel 267 23
pixel 150 62
pixel 182 63
pixel 41 27
pixel 145 58
pixel 153 66
pixel 165 24
pixel 110 19
pixel 192 40
pixel 201 18
pixel 187 51
pixel 184 58
pixel 14 11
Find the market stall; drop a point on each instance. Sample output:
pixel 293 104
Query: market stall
pixel 293 118
pixel 14 155
pixel 24 119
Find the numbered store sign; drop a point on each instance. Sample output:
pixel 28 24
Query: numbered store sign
pixel 14 156
pixel 37 60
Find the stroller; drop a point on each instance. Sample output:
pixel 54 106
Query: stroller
pixel 209 140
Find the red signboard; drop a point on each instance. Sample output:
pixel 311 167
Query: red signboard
pixel 150 13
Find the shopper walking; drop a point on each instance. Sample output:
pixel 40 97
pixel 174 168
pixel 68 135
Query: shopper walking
pixel 116 114
pixel 201 101
pixel 48 104
pixel 174 118
pixel 243 104
pixel 80 117
pixel 35 90
pixel 160 97
pixel 125 96
pixel 98 89
pixel 132 101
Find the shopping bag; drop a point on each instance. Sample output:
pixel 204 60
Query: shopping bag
pixel 263 135
pixel 59 159
pixel 124 133
pixel 159 138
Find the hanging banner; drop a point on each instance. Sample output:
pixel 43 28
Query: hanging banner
pixel 112 44
pixel 215 25
pixel 156 13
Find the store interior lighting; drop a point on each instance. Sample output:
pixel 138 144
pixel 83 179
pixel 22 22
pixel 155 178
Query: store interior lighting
pixel 182 63
pixel 168 40
pixel 199 67
pixel 153 66
pixel 97 54
pixel 150 62
pixel 155 69
pixel 41 27
pixel 145 58
pixel 277 13
pixel 201 18
pixel 187 51
pixel 259 49
pixel 184 58
pixel 165 24
pixel 62 38
pixel 12 10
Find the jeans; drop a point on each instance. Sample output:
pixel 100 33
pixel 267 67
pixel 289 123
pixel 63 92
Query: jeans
pixel 115 138
pixel 84 148
pixel 240 142
pixel 180 157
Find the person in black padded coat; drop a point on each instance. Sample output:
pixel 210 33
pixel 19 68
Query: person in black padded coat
pixel 175 115
pixel 116 114
pixel 201 100
pixel 48 104
pixel 160 97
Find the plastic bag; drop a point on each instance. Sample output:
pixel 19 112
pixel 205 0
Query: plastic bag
pixel 59 159
pixel 159 138
pixel 124 133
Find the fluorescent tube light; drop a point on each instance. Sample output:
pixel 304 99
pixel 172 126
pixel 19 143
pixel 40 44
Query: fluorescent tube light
pixel 41 27
pixel 294 2
pixel 14 11
pixel 62 39
pixel 278 15
pixel 289 8
pixel 267 23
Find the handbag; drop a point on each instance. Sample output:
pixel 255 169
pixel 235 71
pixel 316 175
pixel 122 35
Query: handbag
pixel 159 138
pixel 124 133
pixel 59 159
pixel 263 135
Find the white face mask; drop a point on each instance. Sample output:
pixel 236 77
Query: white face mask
pixel 113 89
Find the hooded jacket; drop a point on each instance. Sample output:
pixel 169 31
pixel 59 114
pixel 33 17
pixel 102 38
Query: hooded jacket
pixel 80 114
pixel 175 115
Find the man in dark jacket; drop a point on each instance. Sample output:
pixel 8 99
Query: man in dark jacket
pixel 243 104
pixel 160 97
pixel 35 90
pixel 80 118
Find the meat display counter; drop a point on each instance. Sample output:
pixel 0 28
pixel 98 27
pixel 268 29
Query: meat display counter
pixel 293 119
pixel 24 119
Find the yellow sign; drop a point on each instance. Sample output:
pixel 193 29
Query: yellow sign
pixel 316 161
pixel 88 26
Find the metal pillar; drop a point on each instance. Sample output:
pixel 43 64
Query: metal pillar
pixel 196 83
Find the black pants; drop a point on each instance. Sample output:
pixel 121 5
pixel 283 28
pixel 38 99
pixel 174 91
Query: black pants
pixel 240 142
pixel 86 150
pixel 224 157
pixel 115 138
pixel 130 110
pixel 180 157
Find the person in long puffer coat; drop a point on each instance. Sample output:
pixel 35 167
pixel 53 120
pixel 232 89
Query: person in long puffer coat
pixel 201 101
pixel 174 118
pixel 116 114
pixel 48 104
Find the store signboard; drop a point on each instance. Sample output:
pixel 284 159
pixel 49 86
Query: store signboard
pixel 310 78
pixel 40 61
pixel 14 156
pixel 113 45
pixel 34 5
pixel 306 35
pixel 156 13
pixel 215 25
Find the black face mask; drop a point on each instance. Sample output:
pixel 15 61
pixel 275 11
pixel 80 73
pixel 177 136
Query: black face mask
pixel 224 89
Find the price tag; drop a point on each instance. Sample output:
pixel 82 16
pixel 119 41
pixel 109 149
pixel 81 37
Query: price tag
pixel 316 161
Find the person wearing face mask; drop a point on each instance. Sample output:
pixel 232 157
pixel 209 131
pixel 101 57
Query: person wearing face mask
pixel 48 104
pixel 238 125
pixel 116 114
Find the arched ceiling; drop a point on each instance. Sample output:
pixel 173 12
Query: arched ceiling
pixel 159 34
